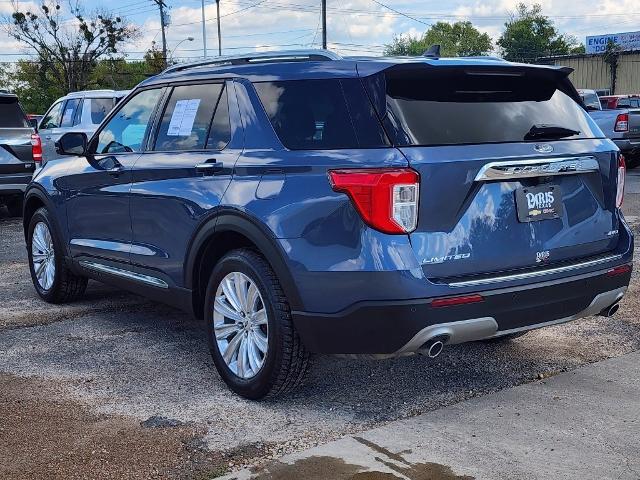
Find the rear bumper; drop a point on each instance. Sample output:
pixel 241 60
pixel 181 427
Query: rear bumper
pixel 14 183
pixel 401 327
pixel 628 145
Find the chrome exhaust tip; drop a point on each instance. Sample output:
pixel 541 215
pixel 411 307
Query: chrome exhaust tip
pixel 433 347
pixel 610 311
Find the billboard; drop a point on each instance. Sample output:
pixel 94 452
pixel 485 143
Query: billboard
pixel 628 41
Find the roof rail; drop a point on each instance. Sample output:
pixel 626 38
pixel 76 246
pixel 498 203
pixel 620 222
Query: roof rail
pixel 310 55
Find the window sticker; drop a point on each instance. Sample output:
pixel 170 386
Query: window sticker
pixel 184 114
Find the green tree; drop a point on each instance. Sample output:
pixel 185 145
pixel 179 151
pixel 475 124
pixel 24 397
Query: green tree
pixel 458 39
pixel 33 84
pixel 119 74
pixel 68 50
pixel 529 35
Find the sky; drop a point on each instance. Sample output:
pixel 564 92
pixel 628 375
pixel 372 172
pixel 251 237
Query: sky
pixel 354 27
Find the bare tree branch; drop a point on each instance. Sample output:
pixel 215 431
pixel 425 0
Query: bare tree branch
pixel 68 42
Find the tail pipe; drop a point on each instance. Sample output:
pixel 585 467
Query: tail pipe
pixel 434 346
pixel 610 311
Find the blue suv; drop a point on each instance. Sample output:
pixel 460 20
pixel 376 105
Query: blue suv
pixel 301 202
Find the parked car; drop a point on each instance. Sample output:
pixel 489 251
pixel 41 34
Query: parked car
pixel 303 202
pixel 620 121
pixel 590 99
pixel 34 119
pixel 20 150
pixel 77 111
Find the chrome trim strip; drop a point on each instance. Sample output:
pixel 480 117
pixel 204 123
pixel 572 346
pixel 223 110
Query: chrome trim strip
pixel 534 274
pixel 119 272
pixel 508 170
pixel 13 186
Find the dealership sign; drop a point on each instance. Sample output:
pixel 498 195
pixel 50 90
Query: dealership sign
pixel 627 41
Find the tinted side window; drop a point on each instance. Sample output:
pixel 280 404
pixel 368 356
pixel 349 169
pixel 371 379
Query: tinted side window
pixel 126 130
pixel 100 107
pixel 69 112
pixel 52 118
pixel 11 115
pixel 313 114
pixel 187 117
pixel 220 132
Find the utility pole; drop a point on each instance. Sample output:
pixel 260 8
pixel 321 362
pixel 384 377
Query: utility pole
pixel 163 24
pixel 204 34
pixel 324 24
pixel 219 34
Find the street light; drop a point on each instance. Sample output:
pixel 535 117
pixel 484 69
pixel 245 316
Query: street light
pixel 188 39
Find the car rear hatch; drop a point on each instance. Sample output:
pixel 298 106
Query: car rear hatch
pixel 15 138
pixel 513 173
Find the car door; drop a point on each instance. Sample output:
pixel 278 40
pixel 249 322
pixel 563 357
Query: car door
pixel 50 127
pixel 183 176
pixel 97 189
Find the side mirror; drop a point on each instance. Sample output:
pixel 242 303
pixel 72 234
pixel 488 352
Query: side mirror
pixel 34 123
pixel 72 143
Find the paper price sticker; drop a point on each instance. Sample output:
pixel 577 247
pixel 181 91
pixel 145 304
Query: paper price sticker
pixel 184 114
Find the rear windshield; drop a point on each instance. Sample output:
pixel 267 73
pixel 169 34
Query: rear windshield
pixel 452 106
pixel 321 114
pixel 590 100
pixel 11 114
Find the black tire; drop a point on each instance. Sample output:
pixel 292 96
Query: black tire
pixel 286 360
pixel 14 206
pixel 66 285
pixel 505 338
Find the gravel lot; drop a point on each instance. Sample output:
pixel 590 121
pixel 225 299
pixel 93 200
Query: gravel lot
pixel 117 386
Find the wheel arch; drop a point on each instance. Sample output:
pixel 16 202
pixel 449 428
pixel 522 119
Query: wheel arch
pixel 227 231
pixel 33 200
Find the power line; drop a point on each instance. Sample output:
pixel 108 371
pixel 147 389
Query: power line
pixel 400 13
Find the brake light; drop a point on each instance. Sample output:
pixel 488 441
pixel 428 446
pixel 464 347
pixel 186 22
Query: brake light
pixel 622 171
pixel 36 149
pixel 622 123
pixel 454 301
pixel 385 198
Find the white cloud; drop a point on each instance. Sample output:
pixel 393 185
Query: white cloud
pixel 354 26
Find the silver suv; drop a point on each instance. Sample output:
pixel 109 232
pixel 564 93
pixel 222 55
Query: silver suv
pixel 77 111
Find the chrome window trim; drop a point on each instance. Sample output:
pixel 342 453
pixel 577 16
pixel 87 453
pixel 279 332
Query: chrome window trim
pixel 516 169
pixel 534 274
pixel 119 272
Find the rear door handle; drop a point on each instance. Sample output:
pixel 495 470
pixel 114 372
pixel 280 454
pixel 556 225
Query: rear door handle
pixel 209 168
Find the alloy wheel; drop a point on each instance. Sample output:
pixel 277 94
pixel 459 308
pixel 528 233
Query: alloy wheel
pixel 43 256
pixel 240 325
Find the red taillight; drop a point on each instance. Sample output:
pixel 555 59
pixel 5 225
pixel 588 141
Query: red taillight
pixel 622 173
pixel 453 301
pixel 36 149
pixel 621 270
pixel 622 123
pixel 385 198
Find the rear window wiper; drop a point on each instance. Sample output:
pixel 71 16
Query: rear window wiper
pixel 550 132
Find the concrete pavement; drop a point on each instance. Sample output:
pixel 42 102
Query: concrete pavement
pixel 578 425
